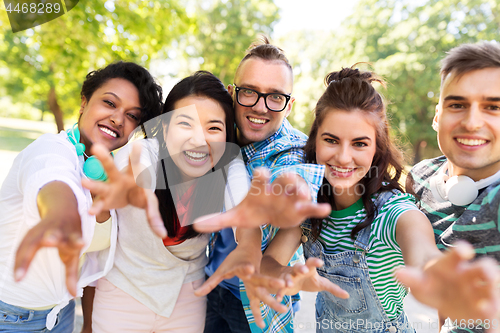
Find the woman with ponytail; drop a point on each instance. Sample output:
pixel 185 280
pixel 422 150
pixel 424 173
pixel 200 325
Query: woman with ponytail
pixel 374 227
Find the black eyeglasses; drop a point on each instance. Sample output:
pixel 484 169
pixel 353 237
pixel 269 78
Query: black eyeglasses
pixel 248 97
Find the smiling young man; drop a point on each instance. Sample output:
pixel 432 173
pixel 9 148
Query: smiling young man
pixel 262 99
pixel 459 191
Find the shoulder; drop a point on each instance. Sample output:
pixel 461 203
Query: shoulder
pixel 289 137
pixel 427 168
pixel 50 144
pixel 396 204
pixel 489 198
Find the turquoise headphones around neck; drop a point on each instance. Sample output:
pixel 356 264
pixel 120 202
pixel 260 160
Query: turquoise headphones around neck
pixel 92 167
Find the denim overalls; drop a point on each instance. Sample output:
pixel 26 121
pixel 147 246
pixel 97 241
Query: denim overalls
pixel 362 311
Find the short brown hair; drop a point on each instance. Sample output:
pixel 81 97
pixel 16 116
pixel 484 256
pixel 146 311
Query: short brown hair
pixel 263 49
pixel 469 57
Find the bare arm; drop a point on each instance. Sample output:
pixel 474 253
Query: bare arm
pixel 299 277
pixel 280 251
pixel 244 262
pixel 285 203
pixel 121 189
pixel 60 226
pixel 451 283
pixel 87 308
pixel 415 237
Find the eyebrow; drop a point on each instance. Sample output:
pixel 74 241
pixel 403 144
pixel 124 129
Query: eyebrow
pixel 361 138
pixel 118 98
pixel 461 98
pixel 454 98
pixel 217 121
pixel 184 115
pixel 251 86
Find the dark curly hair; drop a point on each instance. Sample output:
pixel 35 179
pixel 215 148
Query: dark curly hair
pixel 150 93
pixel 200 84
pixel 352 90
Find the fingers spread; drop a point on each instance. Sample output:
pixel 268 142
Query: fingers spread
pixel 263 295
pixel 333 288
pixel 264 281
pixel 255 307
pixel 72 275
pixel 208 285
pixel 154 216
pixel 104 156
pixel 463 251
pixel 310 209
pixel 215 222
pixel 135 158
pixel 97 207
pixel 410 277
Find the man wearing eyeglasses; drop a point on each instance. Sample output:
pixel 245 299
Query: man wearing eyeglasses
pixel 260 115
pixel 262 94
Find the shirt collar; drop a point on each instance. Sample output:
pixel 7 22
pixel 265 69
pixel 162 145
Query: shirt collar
pixel 251 149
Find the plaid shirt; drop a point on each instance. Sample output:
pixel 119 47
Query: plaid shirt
pixel 282 152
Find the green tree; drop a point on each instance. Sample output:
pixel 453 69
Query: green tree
pixel 225 30
pixel 404 40
pixel 50 61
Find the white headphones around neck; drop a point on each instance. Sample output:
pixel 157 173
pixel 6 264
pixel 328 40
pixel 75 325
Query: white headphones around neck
pixel 459 190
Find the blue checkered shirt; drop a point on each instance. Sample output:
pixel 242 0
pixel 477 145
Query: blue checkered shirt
pixel 282 152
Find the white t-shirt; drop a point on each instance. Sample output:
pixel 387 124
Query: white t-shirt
pixel 49 158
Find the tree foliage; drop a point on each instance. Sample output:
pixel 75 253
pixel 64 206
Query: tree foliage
pixel 227 28
pixel 404 40
pixel 49 62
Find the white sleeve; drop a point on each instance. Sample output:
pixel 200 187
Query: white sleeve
pixel 238 183
pixel 49 158
pixel 237 186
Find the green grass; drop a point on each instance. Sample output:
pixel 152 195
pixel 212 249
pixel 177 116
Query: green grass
pixel 15 139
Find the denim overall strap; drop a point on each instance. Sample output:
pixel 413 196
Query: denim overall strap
pixel 362 311
pixel 362 241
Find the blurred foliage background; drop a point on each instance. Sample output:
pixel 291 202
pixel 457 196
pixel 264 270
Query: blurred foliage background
pixel 41 69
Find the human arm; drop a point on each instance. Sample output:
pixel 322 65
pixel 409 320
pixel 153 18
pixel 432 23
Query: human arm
pixel 60 226
pixel 299 277
pixel 451 283
pixel 285 203
pixel 87 308
pixel 244 262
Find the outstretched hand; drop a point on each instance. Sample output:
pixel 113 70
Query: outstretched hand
pixel 457 287
pixel 285 203
pixel 245 263
pixel 59 227
pixel 305 277
pixel 121 189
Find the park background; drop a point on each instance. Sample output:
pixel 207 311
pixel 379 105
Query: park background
pixel 42 69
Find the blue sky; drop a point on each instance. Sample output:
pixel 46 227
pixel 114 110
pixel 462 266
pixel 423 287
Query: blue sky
pixel 311 14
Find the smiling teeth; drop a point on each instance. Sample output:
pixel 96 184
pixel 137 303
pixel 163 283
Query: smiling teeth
pixel 340 169
pixel 471 142
pixel 195 156
pixel 108 131
pixel 257 121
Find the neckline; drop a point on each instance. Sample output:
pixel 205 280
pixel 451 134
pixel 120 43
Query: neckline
pixel 349 211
